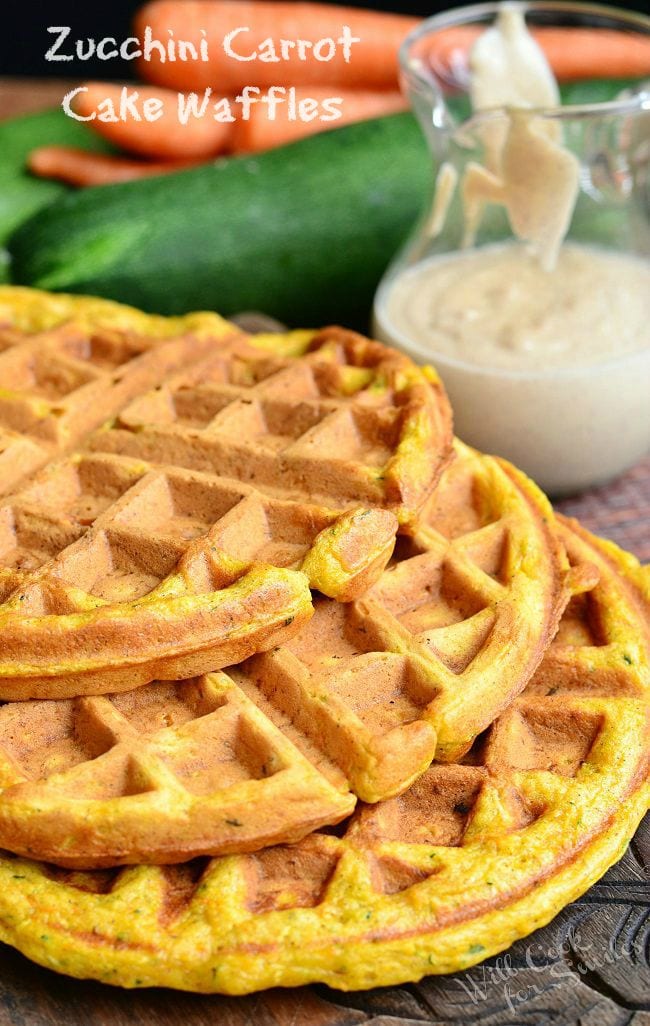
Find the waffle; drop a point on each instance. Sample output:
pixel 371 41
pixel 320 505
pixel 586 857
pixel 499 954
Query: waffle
pixel 476 854
pixel 67 363
pixel 439 646
pixel 357 704
pixel 157 774
pixel 173 539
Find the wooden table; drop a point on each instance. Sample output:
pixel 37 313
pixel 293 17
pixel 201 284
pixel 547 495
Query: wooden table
pixel 28 95
pixel 590 967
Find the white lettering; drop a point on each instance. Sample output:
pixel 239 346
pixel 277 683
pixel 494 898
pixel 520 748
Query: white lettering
pixel 303 47
pixel 274 96
pixel 266 52
pixel 272 51
pixel 171 46
pixel 66 103
pixel 106 113
pixel 85 56
pixel 347 41
pixel 223 112
pixel 324 44
pixel 64 32
pixel 188 106
pixel 332 105
pixel 291 112
pixel 248 96
pixel 130 55
pixel 101 49
pixel 286 46
pixel 128 105
pixel 308 109
pixel 152 108
pixel 151 44
pixel 228 41
pixel 187 51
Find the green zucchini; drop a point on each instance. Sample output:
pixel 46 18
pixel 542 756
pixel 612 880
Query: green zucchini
pixel 21 194
pixel 303 232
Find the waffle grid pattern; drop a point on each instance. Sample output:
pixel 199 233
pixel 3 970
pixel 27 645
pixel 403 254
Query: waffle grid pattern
pixel 323 421
pixel 366 694
pixel 59 384
pixel 159 567
pixel 474 855
pixel 445 639
pixel 195 760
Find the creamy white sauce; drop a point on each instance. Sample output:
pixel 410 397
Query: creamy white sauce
pixel 536 180
pixel 497 307
pixel 508 68
pixel 525 166
pixel 569 411
pixel 446 182
pixel 543 345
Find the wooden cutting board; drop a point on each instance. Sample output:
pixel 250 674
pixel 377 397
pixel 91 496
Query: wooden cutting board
pixel 589 967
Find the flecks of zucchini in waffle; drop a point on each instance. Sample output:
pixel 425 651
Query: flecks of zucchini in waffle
pixel 198 756
pixel 448 635
pixel 600 649
pixel 477 852
pixel 544 759
pixel 357 692
pixel 157 509
pixel 327 426
pixel 61 383
pixel 525 767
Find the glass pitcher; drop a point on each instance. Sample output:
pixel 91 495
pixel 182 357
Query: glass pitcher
pixel 581 423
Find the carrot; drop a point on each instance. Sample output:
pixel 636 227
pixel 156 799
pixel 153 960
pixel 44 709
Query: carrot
pixel 167 138
pixel 81 167
pixel 447 53
pixel 577 53
pixel 259 133
pixel 574 53
pixel 372 63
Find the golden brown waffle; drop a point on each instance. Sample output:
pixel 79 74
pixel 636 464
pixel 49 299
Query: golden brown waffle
pixel 356 702
pixel 250 464
pixel 476 854
pixel 67 363
pixel 327 417
pixel 156 773
pixel 439 646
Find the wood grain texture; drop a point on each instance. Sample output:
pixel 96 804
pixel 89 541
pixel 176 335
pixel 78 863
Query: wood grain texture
pixel 620 510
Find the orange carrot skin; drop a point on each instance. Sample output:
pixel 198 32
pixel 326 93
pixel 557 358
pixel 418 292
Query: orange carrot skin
pixel 373 64
pixel 578 53
pixel 574 53
pixel 164 139
pixel 259 133
pixel 81 167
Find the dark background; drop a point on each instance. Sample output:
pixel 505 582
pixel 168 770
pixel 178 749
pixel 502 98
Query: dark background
pixel 24 40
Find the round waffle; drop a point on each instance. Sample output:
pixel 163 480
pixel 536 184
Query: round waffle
pixel 170 540
pixel 476 854
pixel 355 706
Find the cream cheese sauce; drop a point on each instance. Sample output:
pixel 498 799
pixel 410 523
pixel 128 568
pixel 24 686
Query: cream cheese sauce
pixel 526 168
pixel 497 307
pixel 543 345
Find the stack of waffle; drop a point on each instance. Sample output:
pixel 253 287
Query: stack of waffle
pixel 295 686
